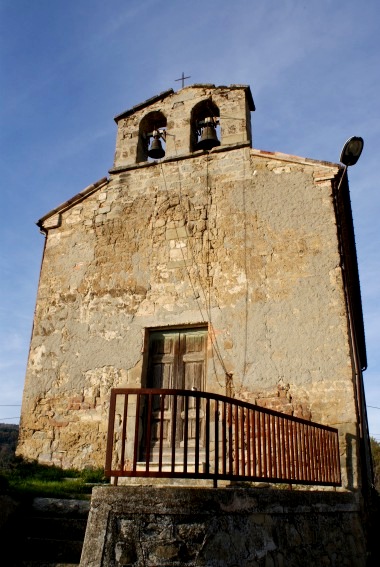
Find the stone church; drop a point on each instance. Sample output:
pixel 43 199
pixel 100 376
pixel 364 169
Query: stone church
pixel 199 263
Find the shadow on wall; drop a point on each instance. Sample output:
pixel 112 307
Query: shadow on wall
pixel 350 444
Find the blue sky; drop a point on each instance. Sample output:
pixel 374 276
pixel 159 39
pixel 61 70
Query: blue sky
pixel 68 67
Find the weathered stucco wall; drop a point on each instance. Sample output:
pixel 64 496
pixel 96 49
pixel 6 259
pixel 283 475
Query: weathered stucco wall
pixel 146 526
pixel 241 240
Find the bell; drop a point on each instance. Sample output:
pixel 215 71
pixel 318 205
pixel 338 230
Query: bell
pixel 156 151
pixel 208 139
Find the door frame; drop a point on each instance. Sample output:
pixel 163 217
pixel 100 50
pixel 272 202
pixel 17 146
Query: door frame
pixel 184 327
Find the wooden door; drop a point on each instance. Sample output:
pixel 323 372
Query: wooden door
pixel 192 368
pixel 177 360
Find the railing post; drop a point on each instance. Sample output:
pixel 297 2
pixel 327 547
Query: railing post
pixel 124 432
pixel 173 432
pixel 197 436
pixel 136 440
pixel 230 441
pixel 186 433
pixel 111 433
pixel 235 416
pixel 162 409
pixel 207 435
pixel 148 432
pixel 253 437
pixel 216 423
pixel 224 438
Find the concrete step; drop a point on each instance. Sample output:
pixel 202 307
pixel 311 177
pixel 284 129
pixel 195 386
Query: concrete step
pixel 44 564
pixel 53 550
pixel 56 528
pixel 52 533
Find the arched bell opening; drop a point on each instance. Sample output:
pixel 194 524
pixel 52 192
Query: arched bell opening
pixel 152 137
pixel 205 130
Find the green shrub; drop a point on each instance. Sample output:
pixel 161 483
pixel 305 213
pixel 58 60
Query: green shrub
pixel 29 478
pixel 375 449
pixel 21 469
pixel 93 475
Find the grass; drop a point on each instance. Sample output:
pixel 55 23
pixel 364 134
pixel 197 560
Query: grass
pixel 23 479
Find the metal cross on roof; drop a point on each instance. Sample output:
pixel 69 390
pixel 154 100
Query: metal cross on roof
pixel 183 79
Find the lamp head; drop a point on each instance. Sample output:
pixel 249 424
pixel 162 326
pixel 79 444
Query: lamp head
pixel 351 150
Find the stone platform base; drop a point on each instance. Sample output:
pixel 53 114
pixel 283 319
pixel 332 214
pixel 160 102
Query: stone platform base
pixel 151 526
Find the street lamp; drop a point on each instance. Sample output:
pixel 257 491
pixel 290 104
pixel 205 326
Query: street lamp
pixel 351 150
pixel 350 153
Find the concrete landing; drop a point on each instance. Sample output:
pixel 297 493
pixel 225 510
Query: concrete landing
pixel 152 526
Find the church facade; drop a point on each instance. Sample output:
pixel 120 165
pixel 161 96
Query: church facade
pixel 229 269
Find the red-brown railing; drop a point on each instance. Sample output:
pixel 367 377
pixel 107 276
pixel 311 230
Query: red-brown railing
pixel 191 434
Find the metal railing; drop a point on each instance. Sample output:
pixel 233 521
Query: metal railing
pixel 191 434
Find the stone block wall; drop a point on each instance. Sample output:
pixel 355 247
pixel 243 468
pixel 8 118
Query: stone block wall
pixel 230 527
